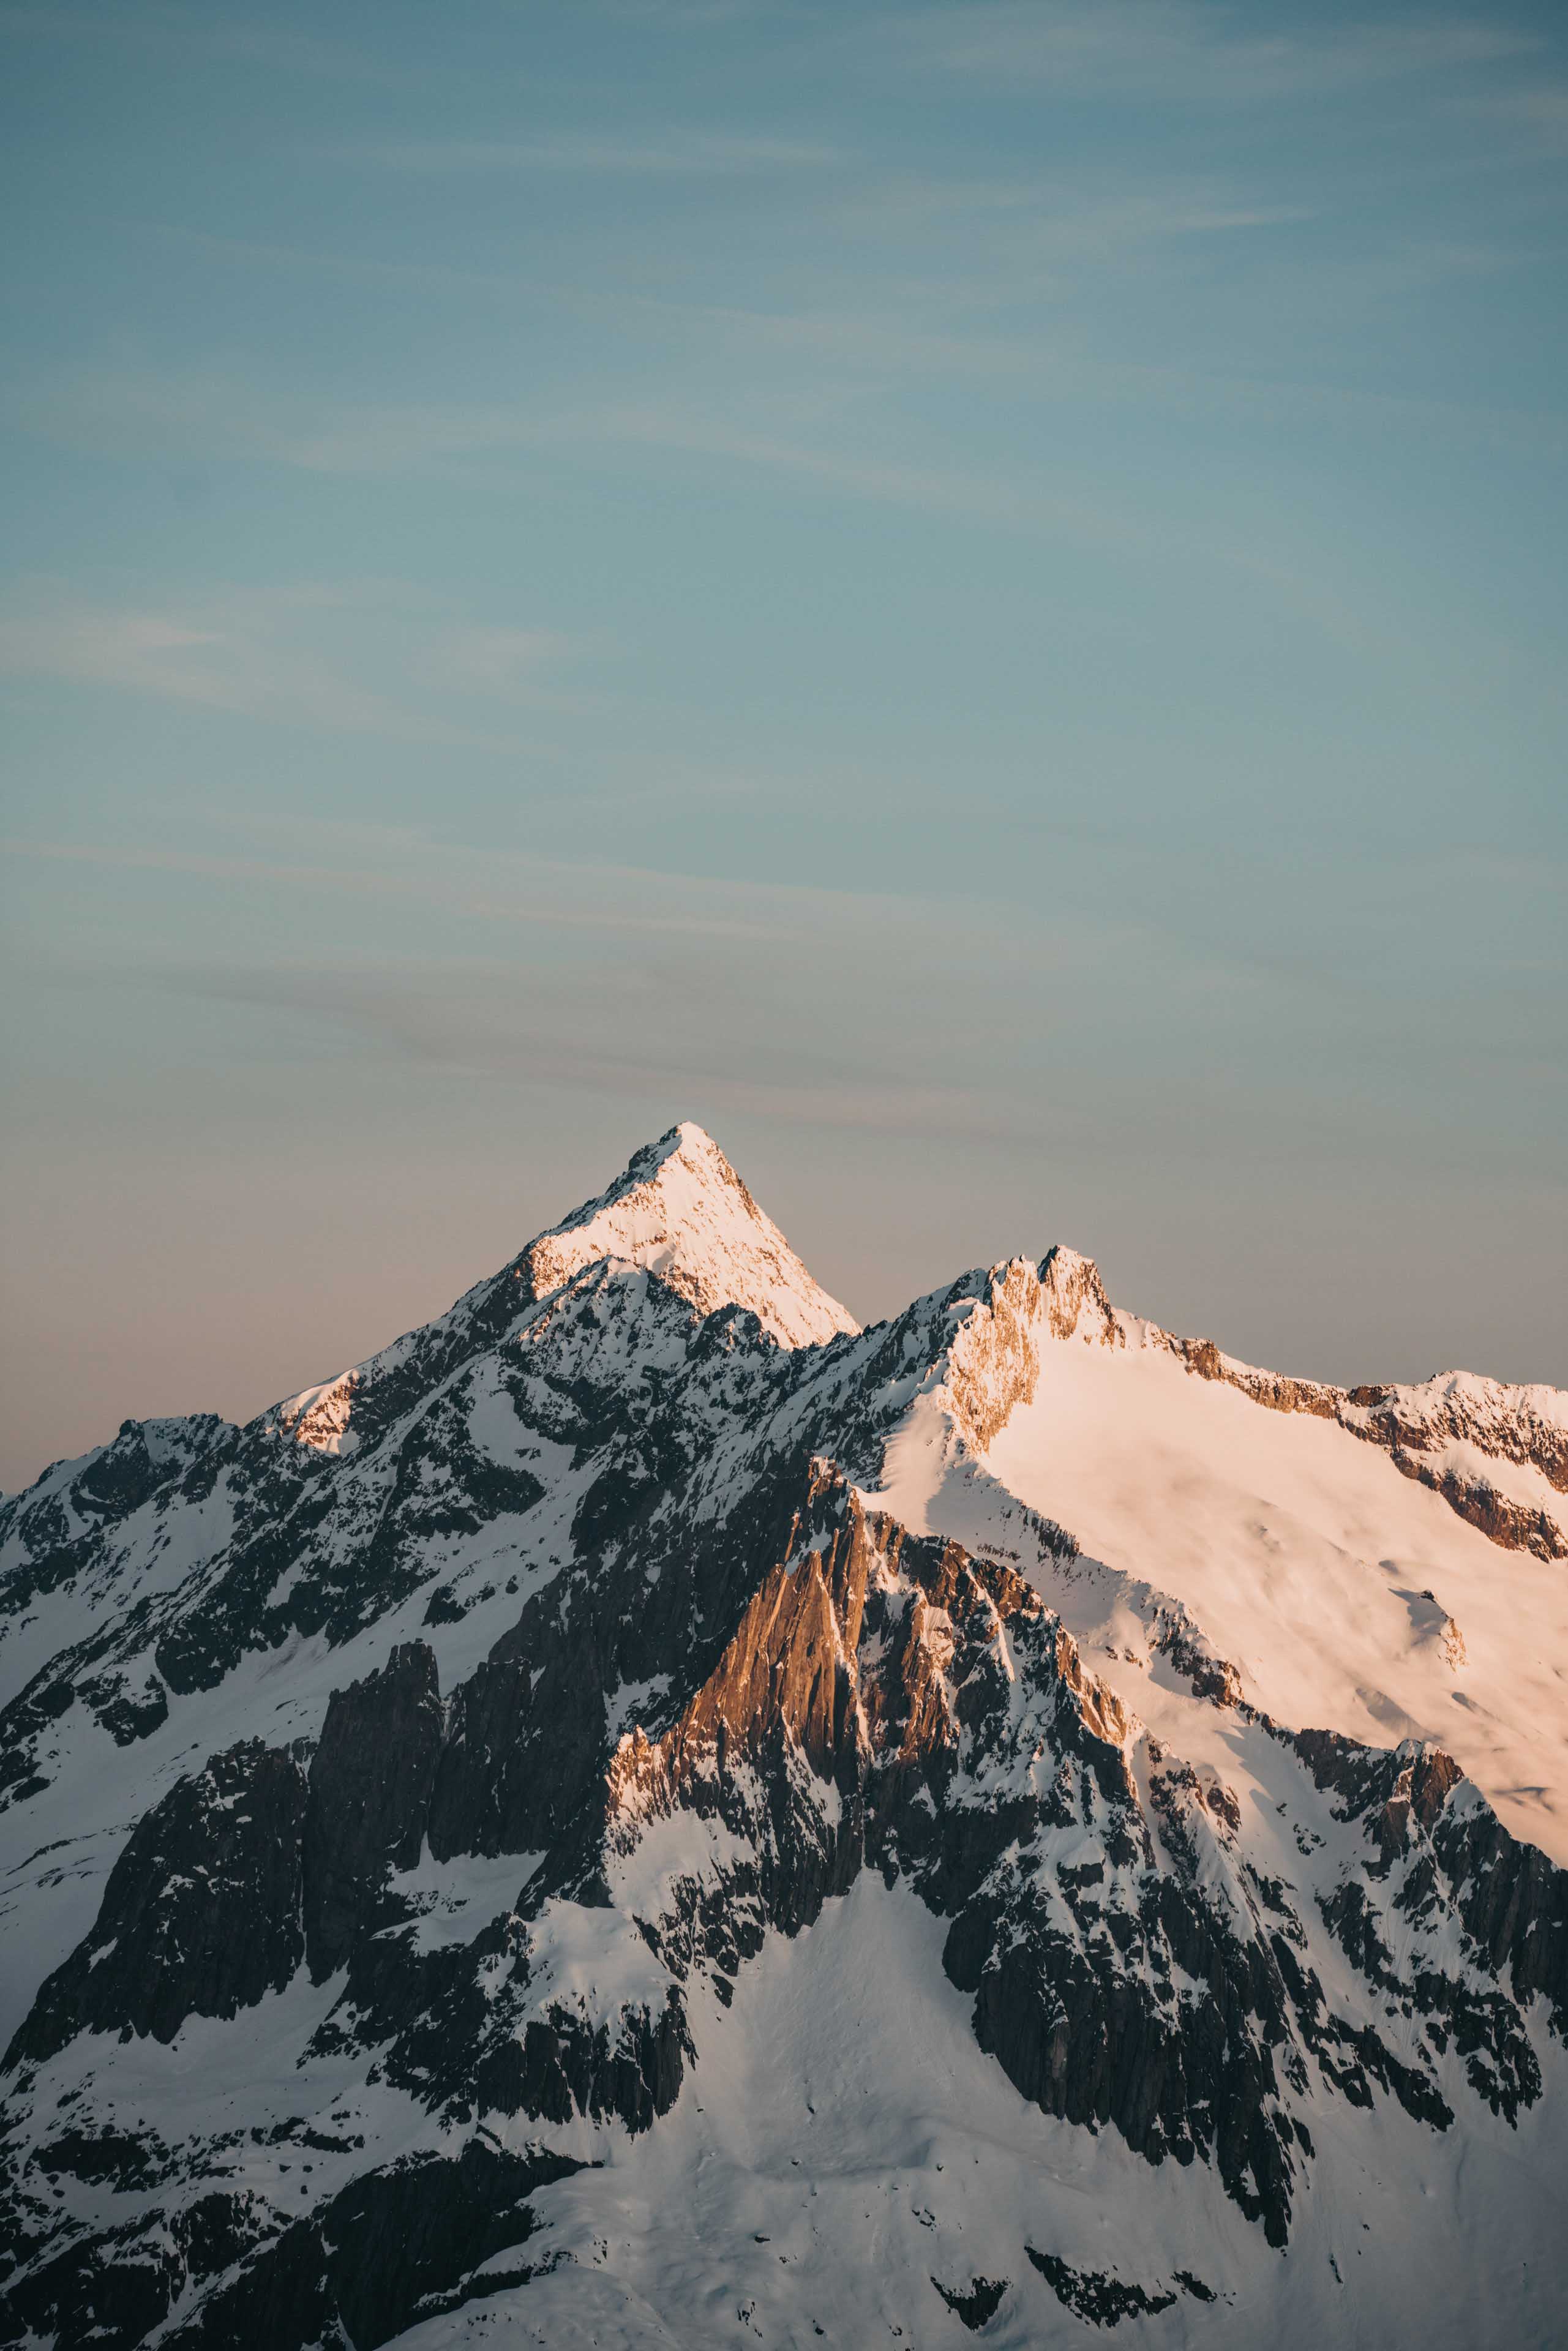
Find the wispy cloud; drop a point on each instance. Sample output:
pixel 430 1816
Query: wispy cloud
pixel 601 978
pixel 507 663
pixel 506 887
pixel 197 658
pixel 718 991
pixel 686 15
pixel 256 41
pixel 367 268
pixel 260 657
pixel 627 980
pixel 211 412
pixel 699 152
pixel 1541 108
pixel 639 1044
pixel 218 416
pixel 1160 48
pixel 430 888
pixel 177 659
pixel 1073 217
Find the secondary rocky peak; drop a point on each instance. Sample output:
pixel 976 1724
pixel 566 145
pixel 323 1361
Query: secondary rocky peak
pixel 680 1210
pixel 405 1800
pixel 993 1357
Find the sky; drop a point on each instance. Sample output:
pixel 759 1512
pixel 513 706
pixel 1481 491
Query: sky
pixel 972 595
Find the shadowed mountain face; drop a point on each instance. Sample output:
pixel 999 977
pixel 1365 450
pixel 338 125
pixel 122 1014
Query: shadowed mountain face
pixel 645 1813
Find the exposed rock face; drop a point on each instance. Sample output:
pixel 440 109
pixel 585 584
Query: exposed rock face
pixel 1513 1902
pixel 527 1736
pixel 888 1699
pixel 701 1683
pixel 1101 2300
pixel 401 2245
pixel 1432 1623
pixel 1414 1424
pixel 978 2304
pixel 993 1359
pixel 85 1497
pixel 1480 1910
pixel 1190 1651
pixel 1513 1525
pixel 1520 1424
pixel 201 1914
pixel 371 1782
pixel 60 1527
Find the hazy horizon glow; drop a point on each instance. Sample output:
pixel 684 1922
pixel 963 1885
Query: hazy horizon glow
pixel 970 595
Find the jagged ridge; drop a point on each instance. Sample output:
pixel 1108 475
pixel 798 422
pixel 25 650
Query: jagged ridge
pixel 702 1677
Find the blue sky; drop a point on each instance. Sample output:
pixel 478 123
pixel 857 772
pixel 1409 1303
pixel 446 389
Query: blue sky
pixel 972 595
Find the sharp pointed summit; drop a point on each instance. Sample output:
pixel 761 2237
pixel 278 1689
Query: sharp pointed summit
pixel 610 1763
pixel 680 1210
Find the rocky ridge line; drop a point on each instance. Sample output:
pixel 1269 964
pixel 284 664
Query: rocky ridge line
pixel 1410 1422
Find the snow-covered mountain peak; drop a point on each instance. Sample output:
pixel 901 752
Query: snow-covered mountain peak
pixel 681 1210
pixel 401 1796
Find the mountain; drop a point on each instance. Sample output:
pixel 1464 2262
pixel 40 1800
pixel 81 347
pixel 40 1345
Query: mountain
pixel 646 1815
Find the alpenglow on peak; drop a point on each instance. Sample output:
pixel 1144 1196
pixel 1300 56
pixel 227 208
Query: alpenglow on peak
pixel 680 1210
pixel 592 1777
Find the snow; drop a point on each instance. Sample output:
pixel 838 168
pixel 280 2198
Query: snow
pixel 57 1849
pixel 458 1898
pixel 844 2139
pixel 691 1220
pixel 148 1555
pixel 598 1960
pixel 1293 1544
pixel 499 1430
pixel 320 1416
pixel 233 2095
pixel 634 1703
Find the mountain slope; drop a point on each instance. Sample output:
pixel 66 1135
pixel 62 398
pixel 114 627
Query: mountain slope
pixel 547 1828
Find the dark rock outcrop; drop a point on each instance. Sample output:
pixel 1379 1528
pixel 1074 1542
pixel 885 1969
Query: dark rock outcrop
pixel 58 1525
pixel 729 1686
pixel 397 2246
pixel 370 1782
pixel 875 1659
pixel 978 2304
pixel 1513 1899
pixel 1435 1852
pixel 201 1913
pixel 1103 2301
